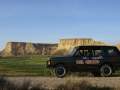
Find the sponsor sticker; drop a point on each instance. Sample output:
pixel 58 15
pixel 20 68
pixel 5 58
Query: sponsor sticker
pixel 92 61
pixel 87 61
pixel 79 62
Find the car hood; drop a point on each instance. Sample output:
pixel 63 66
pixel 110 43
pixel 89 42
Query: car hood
pixel 60 57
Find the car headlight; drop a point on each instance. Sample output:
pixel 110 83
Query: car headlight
pixel 49 62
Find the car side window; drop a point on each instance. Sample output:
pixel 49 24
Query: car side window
pixel 84 54
pixel 97 54
pixel 79 53
pixel 112 52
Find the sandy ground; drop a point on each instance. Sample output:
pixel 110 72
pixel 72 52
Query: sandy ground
pixel 51 82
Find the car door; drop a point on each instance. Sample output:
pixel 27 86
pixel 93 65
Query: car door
pixel 113 56
pixel 95 58
pixel 81 56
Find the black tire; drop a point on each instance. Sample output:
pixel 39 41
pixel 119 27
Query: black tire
pixel 106 70
pixel 60 71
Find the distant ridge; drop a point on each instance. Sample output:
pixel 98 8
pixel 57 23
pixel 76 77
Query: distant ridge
pixel 27 48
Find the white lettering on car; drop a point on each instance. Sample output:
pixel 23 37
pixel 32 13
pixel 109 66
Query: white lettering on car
pixel 87 61
pixel 92 61
pixel 79 62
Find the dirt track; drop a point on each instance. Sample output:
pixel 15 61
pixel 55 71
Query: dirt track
pixel 51 82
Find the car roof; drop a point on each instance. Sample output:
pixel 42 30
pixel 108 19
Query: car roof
pixel 96 46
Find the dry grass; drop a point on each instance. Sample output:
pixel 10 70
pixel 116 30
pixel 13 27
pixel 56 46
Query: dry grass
pixel 5 84
pixel 84 85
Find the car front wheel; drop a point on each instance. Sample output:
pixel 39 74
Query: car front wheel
pixel 106 70
pixel 60 71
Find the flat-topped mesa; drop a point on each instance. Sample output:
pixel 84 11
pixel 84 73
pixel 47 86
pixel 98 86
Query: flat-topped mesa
pixel 26 48
pixel 70 43
pixel 23 48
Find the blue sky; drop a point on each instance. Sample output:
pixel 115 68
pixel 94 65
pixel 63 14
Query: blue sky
pixel 50 20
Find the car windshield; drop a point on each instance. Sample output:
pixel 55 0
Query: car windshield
pixel 71 51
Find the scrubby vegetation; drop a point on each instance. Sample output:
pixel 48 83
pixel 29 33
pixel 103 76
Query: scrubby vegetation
pixel 5 84
pixel 69 85
pixel 60 52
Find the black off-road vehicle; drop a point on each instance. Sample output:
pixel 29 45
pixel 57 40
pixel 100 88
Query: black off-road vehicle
pixel 99 60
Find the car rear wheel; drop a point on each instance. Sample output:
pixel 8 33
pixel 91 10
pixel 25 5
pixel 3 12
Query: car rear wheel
pixel 106 70
pixel 60 71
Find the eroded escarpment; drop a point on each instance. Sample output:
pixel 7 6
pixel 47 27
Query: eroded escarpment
pixel 70 43
pixel 26 48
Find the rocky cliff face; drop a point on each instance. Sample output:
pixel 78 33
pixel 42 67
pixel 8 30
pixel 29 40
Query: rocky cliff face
pixel 70 43
pixel 22 48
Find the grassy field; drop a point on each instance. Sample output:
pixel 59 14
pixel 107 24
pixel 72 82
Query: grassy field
pixel 29 66
pixel 24 66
